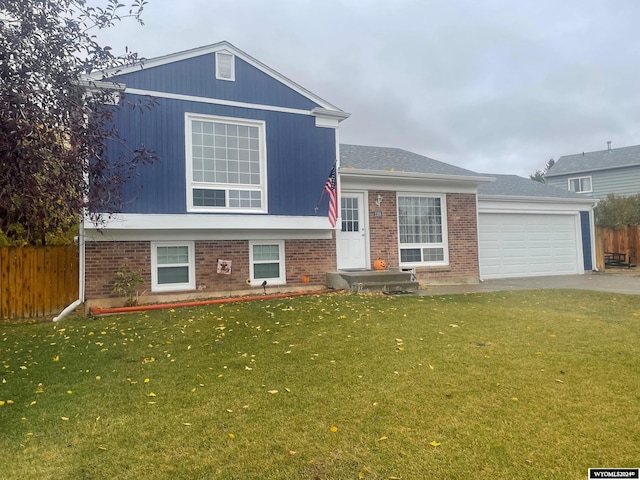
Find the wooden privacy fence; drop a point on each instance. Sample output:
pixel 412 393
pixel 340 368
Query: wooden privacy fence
pixel 625 240
pixel 37 281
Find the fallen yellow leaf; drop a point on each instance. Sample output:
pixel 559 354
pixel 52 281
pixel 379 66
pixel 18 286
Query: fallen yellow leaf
pixel 434 444
pixel 334 429
pixel 273 391
pixel 382 438
pixel 151 394
pixel 231 435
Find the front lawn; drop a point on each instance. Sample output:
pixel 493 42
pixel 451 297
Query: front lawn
pixel 536 385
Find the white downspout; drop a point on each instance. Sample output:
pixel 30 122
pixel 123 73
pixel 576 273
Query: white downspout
pixel 70 308
pixel 592 227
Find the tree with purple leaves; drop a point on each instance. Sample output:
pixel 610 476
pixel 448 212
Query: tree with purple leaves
pixel 57 119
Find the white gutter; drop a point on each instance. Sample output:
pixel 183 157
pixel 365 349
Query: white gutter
pixel 532 199
pixel 389 174
pixel 81 286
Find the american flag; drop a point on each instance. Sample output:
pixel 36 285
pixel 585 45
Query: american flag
pixel 331 188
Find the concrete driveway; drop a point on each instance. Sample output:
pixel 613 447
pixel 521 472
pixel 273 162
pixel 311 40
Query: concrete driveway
pixel 616 280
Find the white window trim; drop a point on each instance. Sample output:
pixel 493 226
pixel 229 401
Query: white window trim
pixel 282 279
pixel 191 185
pixel 580 182
pixel 232 72
pixel 172 287
pixel 445 237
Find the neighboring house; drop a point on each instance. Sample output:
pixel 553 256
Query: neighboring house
pixel 244 156
pixel 527 228
pixel 598 174
pixel 237 196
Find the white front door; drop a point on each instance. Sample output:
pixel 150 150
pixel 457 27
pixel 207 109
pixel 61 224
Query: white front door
pixel 351 237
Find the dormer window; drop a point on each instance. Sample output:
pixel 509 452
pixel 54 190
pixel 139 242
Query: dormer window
pixel 225 66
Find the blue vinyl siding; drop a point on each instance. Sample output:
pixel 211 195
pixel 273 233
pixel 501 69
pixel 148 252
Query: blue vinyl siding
pixel 585 226
pixel 196 77
pixel 299 157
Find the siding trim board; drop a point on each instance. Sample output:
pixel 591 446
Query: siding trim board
pixel 216 101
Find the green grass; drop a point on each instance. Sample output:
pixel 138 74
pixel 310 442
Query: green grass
pixel 536 385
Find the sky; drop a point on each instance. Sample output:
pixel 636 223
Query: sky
pixel 493 86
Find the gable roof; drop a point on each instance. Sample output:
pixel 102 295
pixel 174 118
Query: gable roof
pixel 398 161
pixel 227 47
pixel 516 186
pixel 593 161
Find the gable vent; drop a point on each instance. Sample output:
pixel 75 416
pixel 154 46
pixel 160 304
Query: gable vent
pixel 225 66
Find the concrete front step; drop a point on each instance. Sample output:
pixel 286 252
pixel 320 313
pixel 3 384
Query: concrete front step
pixel 389 281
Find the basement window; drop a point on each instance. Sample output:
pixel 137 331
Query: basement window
pixel 172 266
pixel 267 262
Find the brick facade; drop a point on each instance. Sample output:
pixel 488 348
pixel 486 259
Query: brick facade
pixel 462 233
pixel 306 262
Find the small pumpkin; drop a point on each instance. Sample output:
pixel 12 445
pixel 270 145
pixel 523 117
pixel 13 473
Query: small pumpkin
pixel 380 264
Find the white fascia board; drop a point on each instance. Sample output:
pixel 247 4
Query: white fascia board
pixel 391 174
pixel 196 52
pixel 513 204
pixel 194 222
pixel 159 235
pixel 328 118
pixel 410 182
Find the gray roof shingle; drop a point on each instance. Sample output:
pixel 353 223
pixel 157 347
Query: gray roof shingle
pixel 601 160
pixel 397 160
pixel 513 185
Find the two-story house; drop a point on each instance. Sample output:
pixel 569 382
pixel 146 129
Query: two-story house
pixel 598 174
pixel 237 199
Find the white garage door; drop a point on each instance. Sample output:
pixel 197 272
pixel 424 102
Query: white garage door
pixel 527 245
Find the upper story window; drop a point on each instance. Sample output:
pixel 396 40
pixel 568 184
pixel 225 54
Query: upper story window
pixel 226 164
pixel 422 227
pixel 580 184
pixel 225 66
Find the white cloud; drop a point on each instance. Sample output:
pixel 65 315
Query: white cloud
pixel 494 86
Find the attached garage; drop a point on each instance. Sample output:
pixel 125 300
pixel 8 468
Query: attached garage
pixel 528 229
pixel 525 245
